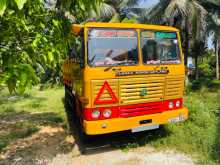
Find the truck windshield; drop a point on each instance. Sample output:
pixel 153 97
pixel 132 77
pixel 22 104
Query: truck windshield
pixel 112 47
pixel 160 47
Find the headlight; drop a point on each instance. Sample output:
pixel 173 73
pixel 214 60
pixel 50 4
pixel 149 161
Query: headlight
pixel 95 114
pixel 107 113
pixel 178 103
pixel 171 105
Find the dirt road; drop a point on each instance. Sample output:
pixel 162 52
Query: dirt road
pixel 53 146
pixel 141 156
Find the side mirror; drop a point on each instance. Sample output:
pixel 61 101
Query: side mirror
pixel 77 58
pixel 82 61
pixel 82 55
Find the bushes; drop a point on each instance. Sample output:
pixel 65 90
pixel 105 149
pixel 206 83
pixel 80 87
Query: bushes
pixel 205 82
pixel 215 84
pixel 205 69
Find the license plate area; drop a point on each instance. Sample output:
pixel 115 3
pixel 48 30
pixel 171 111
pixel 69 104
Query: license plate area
pixel 145 128
pixel 178 119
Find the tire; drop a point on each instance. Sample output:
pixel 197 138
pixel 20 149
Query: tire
pixel 74 122
pixel 82 135
pixel 70 108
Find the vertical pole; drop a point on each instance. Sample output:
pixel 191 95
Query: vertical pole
pixel 217 59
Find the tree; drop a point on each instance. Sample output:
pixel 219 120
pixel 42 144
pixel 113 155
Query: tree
pixel 85 10
pixel 213 6
pixel 198 50
pixel 34 40
pixel 99 10
pixel 214 29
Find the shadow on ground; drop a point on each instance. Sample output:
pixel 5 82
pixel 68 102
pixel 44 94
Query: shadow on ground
pixel 32 138
pixel 121 140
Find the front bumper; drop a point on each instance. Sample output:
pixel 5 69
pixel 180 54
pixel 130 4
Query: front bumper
pixel 122 124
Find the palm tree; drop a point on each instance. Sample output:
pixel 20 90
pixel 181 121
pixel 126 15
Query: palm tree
pixel 214 29
pixel 213 6
pixel 198 50
pixel 119 8
pixel 96 10
pixel 182 14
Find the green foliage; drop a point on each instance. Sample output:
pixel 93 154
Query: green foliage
pixel 205 69
pixel 215 84
pixel 3 5
pixel 132 20
pixel 206 66
pixel 20 3
pixel 19 77
pixel 34 41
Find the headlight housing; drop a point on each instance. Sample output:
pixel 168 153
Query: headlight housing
pixel 171 105
pixel 96 114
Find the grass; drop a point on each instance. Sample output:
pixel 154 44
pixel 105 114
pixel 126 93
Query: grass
pixel 199 136
pixel 201 133
pixel 21 116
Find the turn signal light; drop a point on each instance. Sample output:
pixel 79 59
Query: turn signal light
pixel 107 113
pixel 178 103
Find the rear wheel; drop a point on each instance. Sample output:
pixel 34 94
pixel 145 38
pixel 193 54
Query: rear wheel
pixel 70 108
pixel 71 112
pixel 82 135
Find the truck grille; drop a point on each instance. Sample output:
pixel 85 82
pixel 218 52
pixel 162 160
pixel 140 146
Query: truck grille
pixel 131 89
pixel 174 87
pixel 129 92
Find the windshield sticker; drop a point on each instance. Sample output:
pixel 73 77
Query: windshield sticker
pixel 125 33
pixel 148 34
pixel 168 35
pixel 112 33
pixel 104 33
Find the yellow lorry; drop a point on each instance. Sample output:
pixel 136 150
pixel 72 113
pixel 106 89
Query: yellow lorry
pixel 127 77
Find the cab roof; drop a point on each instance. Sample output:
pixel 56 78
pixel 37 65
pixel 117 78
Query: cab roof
pixel 77 28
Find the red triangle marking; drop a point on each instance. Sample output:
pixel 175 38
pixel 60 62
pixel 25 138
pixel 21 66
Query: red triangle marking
pixel 109 89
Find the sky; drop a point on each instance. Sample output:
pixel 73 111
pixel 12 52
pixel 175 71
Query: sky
pixel 147 3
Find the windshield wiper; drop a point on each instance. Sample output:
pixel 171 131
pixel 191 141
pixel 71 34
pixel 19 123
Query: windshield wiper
pixel 110 67
pixel 93 58
pixel 118 64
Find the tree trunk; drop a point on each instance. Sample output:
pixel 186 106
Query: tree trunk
pixel 196 67
pixel 217 59
pixel 186 52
